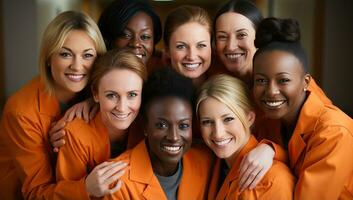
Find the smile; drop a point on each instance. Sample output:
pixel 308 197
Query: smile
pixel 75 77
pixel 274 104
pixel 140 56
pixel 171 149
pixel 234 56
pixel 121 116
pixel 222 142
pixel 191 66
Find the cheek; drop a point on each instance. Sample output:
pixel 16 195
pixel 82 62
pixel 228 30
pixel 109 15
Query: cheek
pixel 120 43
pixel 135 104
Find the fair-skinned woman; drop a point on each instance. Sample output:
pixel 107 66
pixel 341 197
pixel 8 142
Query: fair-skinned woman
pixel 166 165
pixel 71 43
pixel 317 135
pixel 226 114
pixel 117 79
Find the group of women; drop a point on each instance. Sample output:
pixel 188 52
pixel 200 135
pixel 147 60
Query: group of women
pixel 268 131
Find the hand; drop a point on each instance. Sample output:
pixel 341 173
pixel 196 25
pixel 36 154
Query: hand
pixel 255 165
pixel 85 110
pixel 102 176
pixel 56 135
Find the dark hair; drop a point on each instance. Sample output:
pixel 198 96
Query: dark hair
pixel 182 15
pixel 117 15
pixel 243 7
pixel 280 34
pixel 166 82
pixel 116 59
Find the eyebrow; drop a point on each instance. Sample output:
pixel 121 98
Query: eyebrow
pixel 144 29
pixel 239 30
pixel 68 49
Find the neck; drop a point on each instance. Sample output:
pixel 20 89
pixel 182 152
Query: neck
pixel 115 135
pixel 64 96
pixel 290 120
pixel 162 168
pixel 197 82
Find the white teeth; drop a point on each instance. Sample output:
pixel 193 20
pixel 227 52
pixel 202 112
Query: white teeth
pixel 75 77
pixel 139 56
pixel 192 65
pixel 120 116
pixel 171 148
pixel 234 56
pixel 274 103
pixel 222 142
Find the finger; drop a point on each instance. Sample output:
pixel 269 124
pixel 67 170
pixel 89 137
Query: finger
pixel 257 179
pixel 70 115
pixel 57 136
pixel 249 179
pixel 56 149
pixel 114 178
pixel 78 112
pixel 58 143
pixel 57 127
pixel 108 171
pixel 94 111
pixel 102 165
pixel 85 113
pixel 244 176
pixel 116 187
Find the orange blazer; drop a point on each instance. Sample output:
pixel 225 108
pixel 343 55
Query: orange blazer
pixel 25 153
pixel 87 145
pixel 278 183
pixel 141 183
pixel 320 152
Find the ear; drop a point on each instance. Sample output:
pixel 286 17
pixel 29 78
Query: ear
pixel 95 95
pixel 251 118
pixel 307 79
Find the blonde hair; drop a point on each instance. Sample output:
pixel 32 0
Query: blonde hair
pixel 55 35
pixel 116 59
pixel 230 91
pixel 182 15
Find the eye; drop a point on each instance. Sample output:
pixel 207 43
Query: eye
pixel 161 125
pixel 184 126
pixel 228 119
pixel 222 37
pixel 126 35
pixel 260 81
pixel 283 80
pixel 65 54
pixel 145 37
pixel 132 94
pixel 88 55
pixel 242 35
pixel 201 45
pixel 206 122
pixel 111 96
pixel 180 46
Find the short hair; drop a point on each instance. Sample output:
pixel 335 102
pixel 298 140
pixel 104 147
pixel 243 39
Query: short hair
pixel 230 91
pixel 280 34
pixel 117 15
pixel 243 7
pixel 166 82
pixel 55 35
pixel 116 59
pixel 182 15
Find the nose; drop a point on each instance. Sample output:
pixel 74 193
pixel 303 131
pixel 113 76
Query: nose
pixel 135 42
pixel 173 134
pixel 218 129
pixel 77 63
pixel 272 89
pixel 232 43
pixel 121 104
pixel 191 54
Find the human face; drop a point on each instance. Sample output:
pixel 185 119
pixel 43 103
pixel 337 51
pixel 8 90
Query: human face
pixel 168 130
pixel 235 47
pixel 221 129
pixel 279 84
pixel 138 35
pixel 119 97
pixel 190 49
pixel 70 66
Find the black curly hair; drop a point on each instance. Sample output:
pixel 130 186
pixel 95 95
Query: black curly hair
pixel 166 82
pixel 280 34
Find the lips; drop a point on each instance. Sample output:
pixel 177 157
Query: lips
pixel 273 104
pixel 171 148
pixel 222 142
pixel 234 56
pixel 191 66
pixel 120 116
pixel 75 77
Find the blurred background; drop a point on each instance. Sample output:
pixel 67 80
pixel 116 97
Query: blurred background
pixel 326 25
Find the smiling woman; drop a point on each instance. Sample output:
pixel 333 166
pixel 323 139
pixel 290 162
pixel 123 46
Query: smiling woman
pixel 165 166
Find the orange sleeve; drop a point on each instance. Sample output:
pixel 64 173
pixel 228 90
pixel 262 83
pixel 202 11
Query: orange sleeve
pixel 327 164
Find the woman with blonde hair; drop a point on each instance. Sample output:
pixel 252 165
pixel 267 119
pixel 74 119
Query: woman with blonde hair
pixel 226 115
pixel 70 44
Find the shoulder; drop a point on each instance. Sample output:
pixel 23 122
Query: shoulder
pixel 80 131
pixel 199 154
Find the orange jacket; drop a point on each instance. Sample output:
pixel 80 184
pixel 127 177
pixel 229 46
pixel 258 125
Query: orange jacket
pixel 278 183
pixel 141 183
pixel 87 145
pixel 320 152
pixel 25 158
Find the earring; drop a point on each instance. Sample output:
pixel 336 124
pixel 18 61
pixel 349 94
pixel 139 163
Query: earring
pixel 305 89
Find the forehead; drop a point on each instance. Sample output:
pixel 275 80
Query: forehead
pixel 211 106
pixel 233 20
pixel 191 31
pixel 78 39
pixel 277 61
pixel 140 20
pixel 169 106
pixel 120 80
